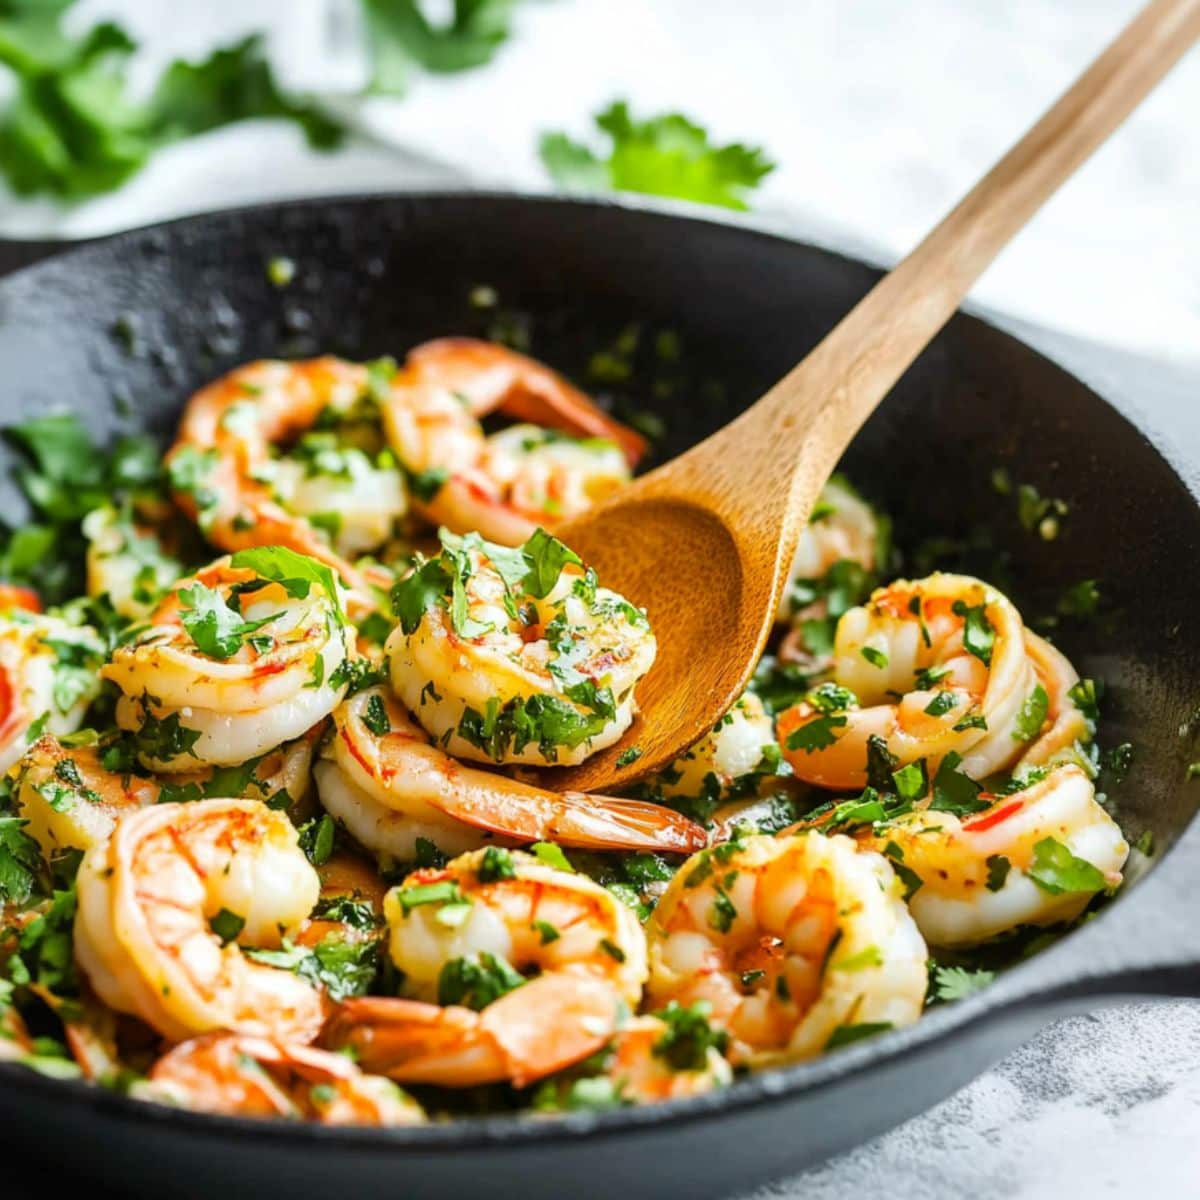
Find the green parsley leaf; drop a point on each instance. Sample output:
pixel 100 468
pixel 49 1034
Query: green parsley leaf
pixel 688 1037
pixel 815 735
pixel 496 864
pixel 403 40
pixel 877 658
pixel 978 635
pixel 1032 716
pixel 551 855
pixel 998 868
pixel 956 983
pixel 20 861
pixel 1057 871
pixel 912 782
pixel 546 557
pixel 375 716
pixel 667 155
pixel 954 792
pixel 845 1035
pixel 296 573
pixel 217 629
pixel 227 925
pixel 477 981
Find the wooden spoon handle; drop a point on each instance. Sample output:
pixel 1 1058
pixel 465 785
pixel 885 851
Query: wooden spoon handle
pixel 819 406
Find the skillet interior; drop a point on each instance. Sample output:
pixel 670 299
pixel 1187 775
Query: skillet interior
pixel 377 275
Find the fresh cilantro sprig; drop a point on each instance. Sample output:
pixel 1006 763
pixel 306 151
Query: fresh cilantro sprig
pixel 403 41
pixel 72 128
pixel 667 155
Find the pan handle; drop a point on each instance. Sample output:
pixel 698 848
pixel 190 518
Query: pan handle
pixel 1147 943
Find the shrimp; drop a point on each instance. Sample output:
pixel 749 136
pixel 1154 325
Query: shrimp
pixel 464 935
pixel 500 487
pixel 788 940
pixel 224 475
pixel 731 762
pixel 640 1065
pixel 958 656
pixel 838 551
pixel 47 676
pixel 128 561
pixel 68 798
pixel 516 656
pixel 147 897
pixel 238 1075
pixel 1034 857
pixel 233 664
pixel 389 784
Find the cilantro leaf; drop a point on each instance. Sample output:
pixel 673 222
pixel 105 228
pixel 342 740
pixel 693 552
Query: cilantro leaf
pixel 668 155
pixel 954 792
pixel 71 128
pixel 402 39
pixel 296 573
pixel 476 981
pixel 546 557
pixel 1032 716
pixel 815 735
pixel 978 635
pixel 688 1036
pixel 956 983
pixel 218 630
pixel 1057 871
pixel 20 861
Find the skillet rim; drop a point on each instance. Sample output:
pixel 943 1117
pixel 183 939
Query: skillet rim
pixel 1033 984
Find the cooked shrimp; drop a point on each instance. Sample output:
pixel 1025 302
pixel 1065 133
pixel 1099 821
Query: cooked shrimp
pixel 787 940
pixel 466 933
pixel 639 1066
pixel 843 528
pixel 256 1077
pixel 70 800
pixel 1035 857
pixel 956 653
pixel 127 561
pixel 390 784
pixel 729 763
pixel 498 487
pixel 232 665
pixel 47 675
pixel 1065 724
pixel 225 476
pixel 516 656
pixel 146 899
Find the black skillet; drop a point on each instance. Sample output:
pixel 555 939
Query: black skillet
pixel 146 317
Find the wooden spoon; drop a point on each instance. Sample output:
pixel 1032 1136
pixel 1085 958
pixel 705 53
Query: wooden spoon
pixel 704 543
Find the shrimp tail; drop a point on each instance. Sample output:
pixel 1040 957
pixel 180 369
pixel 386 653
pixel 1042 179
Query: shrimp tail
pixel 573 818
pixel 412 1041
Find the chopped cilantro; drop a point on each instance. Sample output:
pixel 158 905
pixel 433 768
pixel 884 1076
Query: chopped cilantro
pixel 954 792
pixel 1032 716
pixel 998 868
pixel 667 155
pixel 477 981
pixel 551 855
pixel 1056 870
pixel 688 1037
pixel 978 635
pixel 844 1035
pixel 497 863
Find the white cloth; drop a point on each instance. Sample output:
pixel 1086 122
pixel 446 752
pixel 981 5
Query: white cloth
pixel 879 115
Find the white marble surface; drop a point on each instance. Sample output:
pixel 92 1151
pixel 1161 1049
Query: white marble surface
pixel 879 113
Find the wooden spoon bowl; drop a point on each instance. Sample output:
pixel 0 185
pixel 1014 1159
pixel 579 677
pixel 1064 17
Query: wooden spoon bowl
pixel 704 543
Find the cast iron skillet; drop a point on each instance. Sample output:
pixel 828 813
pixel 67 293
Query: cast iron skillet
pixel 148 316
